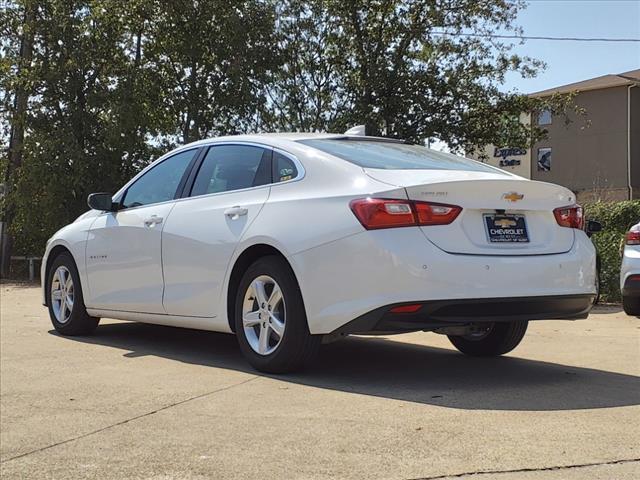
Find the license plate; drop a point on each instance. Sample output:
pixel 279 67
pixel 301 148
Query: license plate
pixel 506 228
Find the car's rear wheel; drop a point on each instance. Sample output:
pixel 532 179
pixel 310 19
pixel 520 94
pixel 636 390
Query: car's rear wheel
pixel 491 339
pixel 64 299
pixel 631 305
pixel 270 319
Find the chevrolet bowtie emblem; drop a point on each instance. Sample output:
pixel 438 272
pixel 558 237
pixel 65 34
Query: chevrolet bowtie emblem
pixel 513 196
pixel 504 223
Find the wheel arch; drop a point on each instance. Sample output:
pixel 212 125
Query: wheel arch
pixel 242 262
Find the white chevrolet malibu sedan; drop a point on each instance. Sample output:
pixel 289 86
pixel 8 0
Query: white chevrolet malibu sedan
pixel 289 240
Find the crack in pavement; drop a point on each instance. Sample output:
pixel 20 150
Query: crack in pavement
pixel 122 422
pixel 533 469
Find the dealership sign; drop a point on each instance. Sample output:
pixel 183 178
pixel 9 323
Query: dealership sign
pixel 508 152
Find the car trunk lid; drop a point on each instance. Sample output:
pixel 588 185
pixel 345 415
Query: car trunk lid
pixel 502 214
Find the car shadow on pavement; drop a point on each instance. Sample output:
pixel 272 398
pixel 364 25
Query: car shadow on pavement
pixel 396 370
pixel 607 309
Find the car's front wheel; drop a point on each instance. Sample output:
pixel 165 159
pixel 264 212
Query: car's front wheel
pixel 270 319
pixel 491 339
pixel 64 298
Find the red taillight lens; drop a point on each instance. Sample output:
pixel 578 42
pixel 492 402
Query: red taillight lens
pixel 570 216
pixel 632 237
pixel 376 213
pixel 435 213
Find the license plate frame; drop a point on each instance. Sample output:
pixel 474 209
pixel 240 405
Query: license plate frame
pixel 510 229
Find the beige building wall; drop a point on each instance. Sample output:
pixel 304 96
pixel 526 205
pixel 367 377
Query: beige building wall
pixel 588 155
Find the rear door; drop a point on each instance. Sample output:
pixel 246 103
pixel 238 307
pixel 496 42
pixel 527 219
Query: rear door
pixel 123 254
pixel 203 231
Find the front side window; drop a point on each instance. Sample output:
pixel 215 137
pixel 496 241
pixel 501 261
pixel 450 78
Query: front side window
pixel 159 184
pixel 232 167
pixel 395 156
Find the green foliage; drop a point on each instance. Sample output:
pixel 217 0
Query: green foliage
pixel 211 60
pixel 616 218
pixel 86 126
pixel 386 64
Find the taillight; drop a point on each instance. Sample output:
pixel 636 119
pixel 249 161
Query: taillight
pixel 436 213
pixel 632 237
pixel 375 213
pixel 570 216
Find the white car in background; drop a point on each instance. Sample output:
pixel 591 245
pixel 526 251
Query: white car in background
pixel 287 240
pixel 630 272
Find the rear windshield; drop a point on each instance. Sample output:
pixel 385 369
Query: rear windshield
pixel 395 156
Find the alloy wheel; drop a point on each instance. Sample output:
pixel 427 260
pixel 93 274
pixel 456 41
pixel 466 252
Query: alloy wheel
pixel 62 294
pixel 263 315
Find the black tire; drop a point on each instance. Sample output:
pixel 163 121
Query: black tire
pixel 297 347
pixel 501 338
pixel 79 321
pixel 631 305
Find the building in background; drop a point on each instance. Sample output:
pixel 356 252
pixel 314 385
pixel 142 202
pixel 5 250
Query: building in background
pixel 597 156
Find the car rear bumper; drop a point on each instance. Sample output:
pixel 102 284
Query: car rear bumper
pixel 348 278
pixel 443 313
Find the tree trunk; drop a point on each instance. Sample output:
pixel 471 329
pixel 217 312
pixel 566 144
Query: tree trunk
pixel 16 139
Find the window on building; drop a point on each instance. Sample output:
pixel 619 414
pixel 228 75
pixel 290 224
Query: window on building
pixel 544 117
pixel 544 159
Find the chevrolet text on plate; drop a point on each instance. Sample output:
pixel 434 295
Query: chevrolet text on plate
pixel 291 240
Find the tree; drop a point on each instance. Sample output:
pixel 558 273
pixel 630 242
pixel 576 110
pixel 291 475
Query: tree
pixel 211 59
pixel 17 115
pixel 86 127
pixel 306 93
pixel 414 69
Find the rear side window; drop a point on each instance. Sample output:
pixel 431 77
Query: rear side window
pixel 283 168
pixel 232 167
pixel 395 156
pixel 160 183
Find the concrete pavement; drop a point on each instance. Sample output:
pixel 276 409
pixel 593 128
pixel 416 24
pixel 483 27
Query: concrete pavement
pixel 149 402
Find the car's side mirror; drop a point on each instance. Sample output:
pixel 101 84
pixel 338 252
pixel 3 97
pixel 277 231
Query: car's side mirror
pixel 593 226
pixel 101 201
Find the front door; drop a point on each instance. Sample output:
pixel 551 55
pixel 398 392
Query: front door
pixel 124 248
pixel 124 264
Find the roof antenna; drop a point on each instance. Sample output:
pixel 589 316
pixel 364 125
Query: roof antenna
pixel 358 130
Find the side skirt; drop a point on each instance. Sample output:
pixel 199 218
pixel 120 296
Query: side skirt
pixel 212 324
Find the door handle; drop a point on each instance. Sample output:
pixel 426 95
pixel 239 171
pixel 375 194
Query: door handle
pixel 235 212
pixel 152 220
